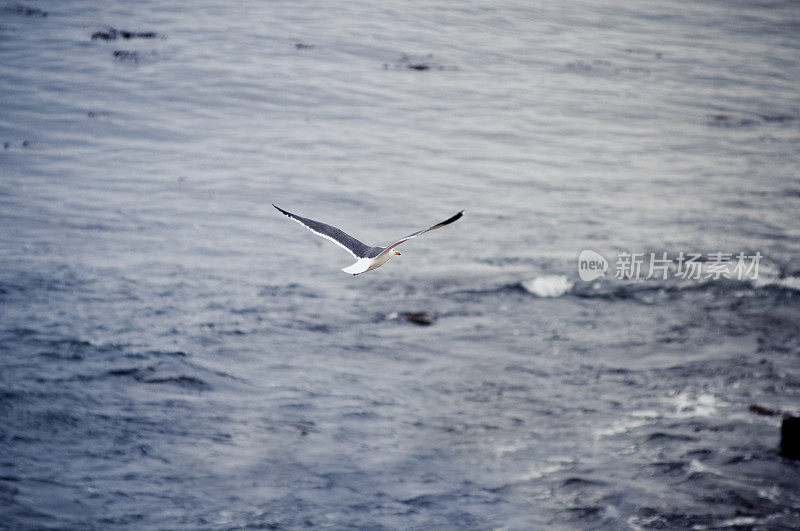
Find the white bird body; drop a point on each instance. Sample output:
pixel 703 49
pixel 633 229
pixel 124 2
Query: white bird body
pixel 365 264
pixel 369 258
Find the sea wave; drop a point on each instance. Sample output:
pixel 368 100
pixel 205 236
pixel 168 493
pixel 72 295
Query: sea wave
pixel 554 286
pixel 548 285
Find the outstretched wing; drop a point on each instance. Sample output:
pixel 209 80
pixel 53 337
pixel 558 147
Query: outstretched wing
pixel 419 232
pixel 337 236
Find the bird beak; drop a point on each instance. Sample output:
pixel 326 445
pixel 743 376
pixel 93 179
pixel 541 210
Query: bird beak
pixel 397 253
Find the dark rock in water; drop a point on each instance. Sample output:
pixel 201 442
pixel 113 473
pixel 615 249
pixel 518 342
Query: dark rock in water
pixel 419 318
pixel 761 410
pixel 25 11
pixel 790 437
pixel 126 55
pixel 113 33
pixel 105 35
pixel 732 120
pixel 131 371
pixel 138 34
pixel 410 62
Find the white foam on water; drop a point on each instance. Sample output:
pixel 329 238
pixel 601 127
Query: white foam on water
pixel 702 405
pixel 548 285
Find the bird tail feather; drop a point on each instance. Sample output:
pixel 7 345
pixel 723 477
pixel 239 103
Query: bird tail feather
pixel 359 267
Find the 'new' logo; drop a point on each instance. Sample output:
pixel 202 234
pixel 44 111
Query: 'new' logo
pixel 591 265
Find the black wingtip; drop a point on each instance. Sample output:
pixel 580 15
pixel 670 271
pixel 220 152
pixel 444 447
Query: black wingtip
pixel 452 219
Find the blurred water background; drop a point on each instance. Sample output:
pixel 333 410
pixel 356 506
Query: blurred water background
pixel 174 353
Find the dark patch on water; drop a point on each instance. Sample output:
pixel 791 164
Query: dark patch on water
pixel 310 326
pixel 131 371
pixel 763 411
pixel 658 519
pixel 669 467
pixel 421 501
pixel 112 34
pixel 662 436
pixel 150 375
pixel 645 52
pixel 419 63
pixel 304 427
pixel 126 56
pixel 579 482
pixel 417 318
pixel 729 120
pixel 713 428
pixel 25 11
pixel 188 382
pixel 777 118
pixel 732 120
pixel 166 354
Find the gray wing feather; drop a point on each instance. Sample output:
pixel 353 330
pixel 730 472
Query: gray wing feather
pixel 337 236
pixel 423 231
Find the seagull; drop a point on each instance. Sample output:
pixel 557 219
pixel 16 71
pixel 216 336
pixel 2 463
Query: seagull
pixel 368 258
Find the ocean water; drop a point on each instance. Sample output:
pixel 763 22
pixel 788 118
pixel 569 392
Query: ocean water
pixel 174 353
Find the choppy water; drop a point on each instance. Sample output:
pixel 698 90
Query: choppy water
pixel 176 354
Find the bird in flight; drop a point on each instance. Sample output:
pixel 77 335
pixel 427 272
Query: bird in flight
pixel 368 258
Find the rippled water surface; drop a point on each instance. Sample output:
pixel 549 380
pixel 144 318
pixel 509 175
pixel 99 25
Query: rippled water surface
pixel 174 353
